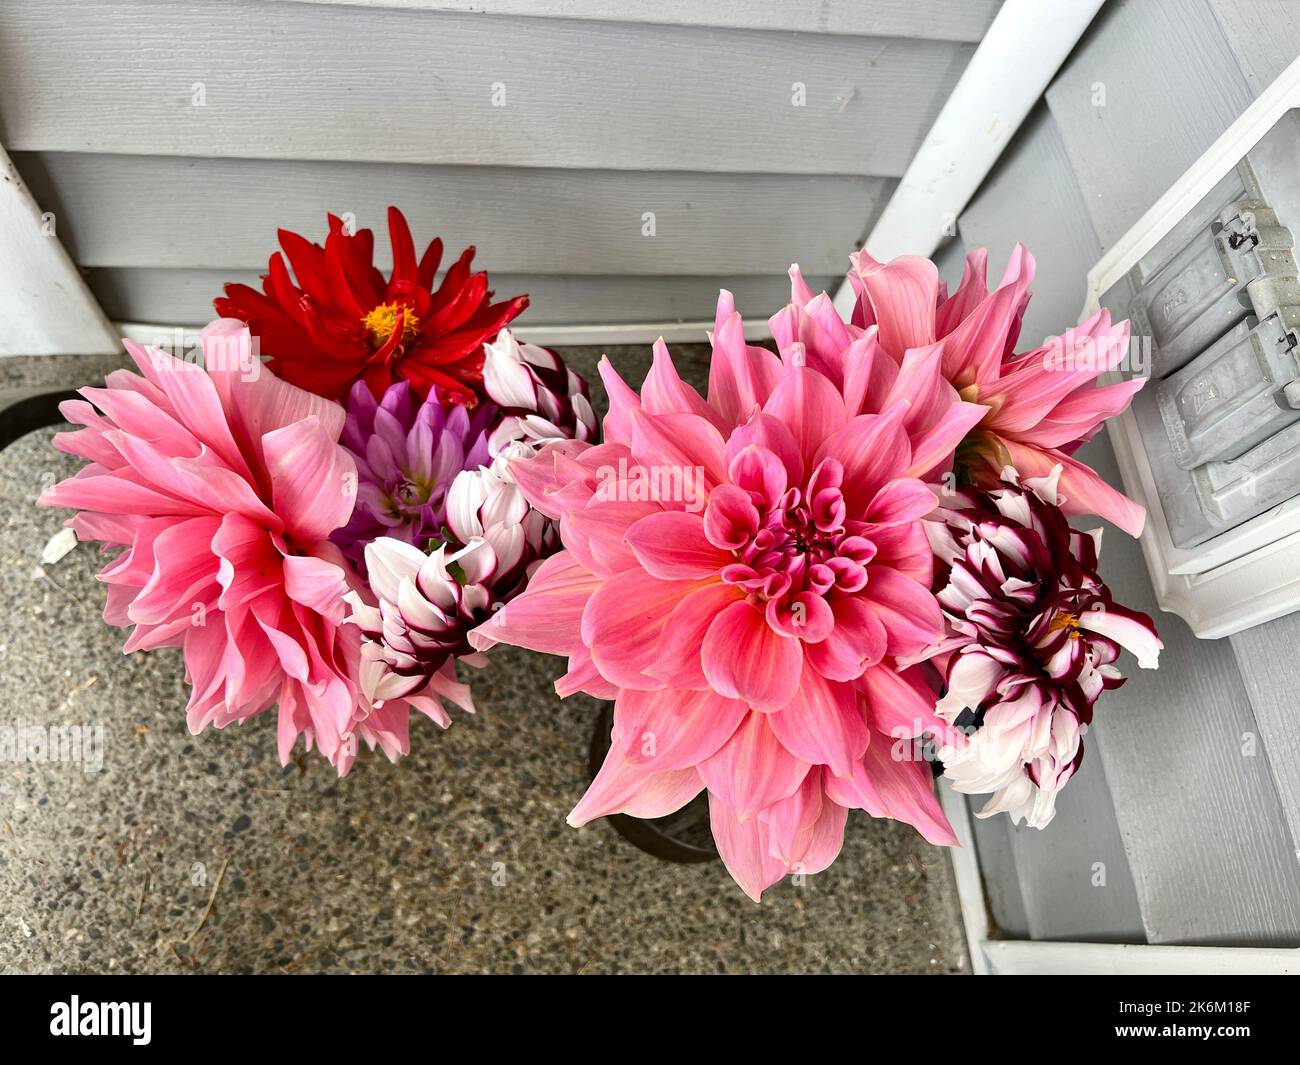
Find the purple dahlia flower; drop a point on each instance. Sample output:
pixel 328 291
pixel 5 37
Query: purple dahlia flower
pixel 408 453
pixel 440 527
pixel 1033 635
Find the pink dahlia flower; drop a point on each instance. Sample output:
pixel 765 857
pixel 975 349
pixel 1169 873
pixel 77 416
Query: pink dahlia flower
pixel 223 485
pixel 1041 404
pixel 738 574
pixel 1033 635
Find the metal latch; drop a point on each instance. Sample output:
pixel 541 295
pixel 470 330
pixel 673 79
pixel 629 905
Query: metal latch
pixel 1233 396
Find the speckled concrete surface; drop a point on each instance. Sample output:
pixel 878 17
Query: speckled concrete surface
pixel 200 854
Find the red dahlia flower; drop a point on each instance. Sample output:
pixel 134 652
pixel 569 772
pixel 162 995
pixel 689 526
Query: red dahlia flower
pixel 336 320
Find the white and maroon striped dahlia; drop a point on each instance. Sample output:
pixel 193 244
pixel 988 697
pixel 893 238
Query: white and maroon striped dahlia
pixel 1033 636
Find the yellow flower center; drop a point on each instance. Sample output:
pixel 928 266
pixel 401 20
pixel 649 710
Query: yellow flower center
pixel 382 322
pixel 1065 621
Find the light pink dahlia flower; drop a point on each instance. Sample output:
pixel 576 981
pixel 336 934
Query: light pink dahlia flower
pixel 1033 635
pixel 223 484
pixel 738 574
pixel 1041 404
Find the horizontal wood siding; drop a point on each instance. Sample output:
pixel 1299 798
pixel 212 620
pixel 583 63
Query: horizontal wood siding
pixel 185 296
pixel 952 20
pixel 1147 91
pixel 306 81
pixel 168 211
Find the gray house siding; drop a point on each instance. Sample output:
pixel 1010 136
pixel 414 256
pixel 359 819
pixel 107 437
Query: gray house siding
pixel 1190 794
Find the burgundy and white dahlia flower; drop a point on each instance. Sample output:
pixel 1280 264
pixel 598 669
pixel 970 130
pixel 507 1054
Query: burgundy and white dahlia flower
pixel 1033 637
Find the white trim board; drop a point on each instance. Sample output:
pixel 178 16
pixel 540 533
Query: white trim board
pixel 1026 958
pixel 1023 957
pixel 1020 53
pixel 45 306
pixel 1250 574
pixel 970 883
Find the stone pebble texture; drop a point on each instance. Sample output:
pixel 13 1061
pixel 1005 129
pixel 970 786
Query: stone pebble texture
pixel 201 854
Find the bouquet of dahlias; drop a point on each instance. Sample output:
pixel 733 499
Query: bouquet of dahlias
pixel 857 572
pixel 845 568
pixel 321 531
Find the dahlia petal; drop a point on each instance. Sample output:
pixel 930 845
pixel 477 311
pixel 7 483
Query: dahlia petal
pixel 547 615
pixel 920 384
pixel 672 545
pixel 115 495
pixel 744 659
pixel 598 534
pixel 771 434
pixel 744 849
pixel 824 334
pixel 753 769
pixel 901 704
pixel 827 838
pixel 909 612
pixel 664 392
pixel 622 402
pixel 583 676
pixel 971 679
pixel 899 787
pixel 684 442
pixel 505 378
pixel 868 375
pixel 544 477
pixel 759 471
pixel 974 349
pixel 289 652
pixel 810 405
pixel 390 562
pixel 1078 415
pixel 903 500
pixel 731 518
pixel 873 449
pixel 1131 630
pixel 670 729
pixel 193 480
pixel 1083 489
pixel 970 292
pixel 789 821
pixel 316 584
pixel 857 642
pixel 903 294
pixel 181 573
pixel 741 377
pixel 825 725
pixel 259 403
pixel 623 787
pixel 313 480
pixel 1043 379
pixel 623 622
pixel 679 664
pixel 932 449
